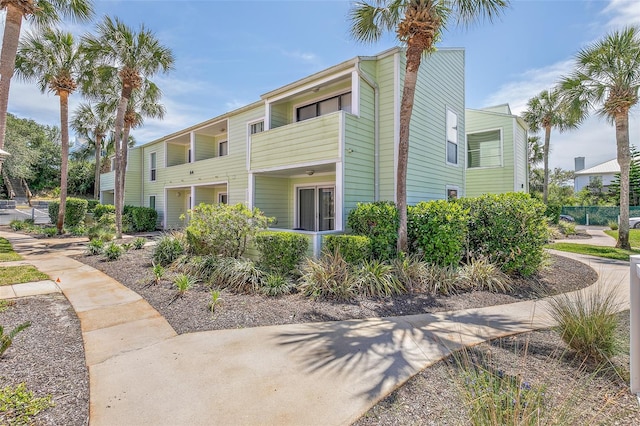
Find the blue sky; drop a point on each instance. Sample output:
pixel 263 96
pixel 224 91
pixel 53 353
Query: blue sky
pixel 228 53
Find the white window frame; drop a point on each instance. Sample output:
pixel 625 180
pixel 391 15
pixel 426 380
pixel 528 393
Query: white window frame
pixel 497 129
pixel 253 123
pixel 319 99
pixel 316 186
pixel 447 140
pixel 452 188
pixel 153 172
pixel 223 194
pixel 155 199
pixel 226 141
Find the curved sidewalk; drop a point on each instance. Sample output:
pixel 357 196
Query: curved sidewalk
pixel 330 373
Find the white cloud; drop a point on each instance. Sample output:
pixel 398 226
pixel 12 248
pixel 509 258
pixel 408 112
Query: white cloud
pixel 308 57
pixel 623 12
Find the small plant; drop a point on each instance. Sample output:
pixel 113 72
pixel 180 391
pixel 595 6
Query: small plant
pixel 238 275
pixel 139 243
pixel 329 276
pixel 214 301
pixel 113 252
pixel 183 283
pixel 376 279
pixel 411 271
pixel 126 246
pixel 158 273
pixel 19 406
pixel 49 231
pixel 168 249
pixel 6 304
pixel 7 339
pixel 613 224
pixel 587 322
pixel 276 285
pixel 95 247
pixel 443 280
pixel 567 228
pixel 17 225
pixel 78 230
pixel 481 274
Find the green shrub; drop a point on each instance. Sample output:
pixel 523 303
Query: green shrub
pixel 17 225
pixel 49 231
pixel 587 321
pixel 168 249
pixel 224 230
pixel 329 276
pixel 379 222
pixel 377 279
pixel 276 285
pixel 104 226
pixel 613 224
pixel 76 210
pixel 411 271
pixel 19 406
pixel 567 228
pixel 113 252
pixel 437 230
pixel 183 283
pixel 238 275
pixel 509 230
pixel 352 248
pixel 201 267
pixel 139 219
pixel 443 280
pixel 552 213
pixel 6 339
pixel 91 204
pixel 138 243
pixel 102 209
pixel 78 230
pixel 481 274
pixel 95 247
pixel 281 252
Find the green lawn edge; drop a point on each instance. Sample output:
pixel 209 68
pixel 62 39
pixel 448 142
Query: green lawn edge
pixel 20 274
pixel 6 251
pixel 598 251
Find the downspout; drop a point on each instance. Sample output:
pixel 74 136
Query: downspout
pixel 376 130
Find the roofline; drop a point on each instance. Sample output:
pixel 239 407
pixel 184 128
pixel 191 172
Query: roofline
pixel 502 114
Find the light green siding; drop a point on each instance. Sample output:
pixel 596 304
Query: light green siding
pixel 272 197
pixel 177 154
pixel 386 78
pixel 521 158
pixel 133 178
pixel 205 147
pixel 108 181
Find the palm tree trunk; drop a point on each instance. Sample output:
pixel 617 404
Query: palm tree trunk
pixel 64 164
pixel 119 125
pixel 414 57
pixel 96 179
pixel 624 160
pixel 125 156
pixel 11 36
pixel 545 154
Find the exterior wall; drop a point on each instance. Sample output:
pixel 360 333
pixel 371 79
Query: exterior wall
pixel 581 181
pixel 387 72
pixel 440 87
pixel 272 197
pixel 206 147
pixel 521 158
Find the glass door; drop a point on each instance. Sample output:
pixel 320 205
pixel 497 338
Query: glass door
pixel 306 209
pixel 326 209
pixel 316 208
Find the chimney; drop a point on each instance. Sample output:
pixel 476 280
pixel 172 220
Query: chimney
pixel 579 163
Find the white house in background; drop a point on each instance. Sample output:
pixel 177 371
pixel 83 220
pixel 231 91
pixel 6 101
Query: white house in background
pixel 606 171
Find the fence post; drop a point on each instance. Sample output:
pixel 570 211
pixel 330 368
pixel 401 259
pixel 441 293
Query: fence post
pixel 587 220
pixel 634 329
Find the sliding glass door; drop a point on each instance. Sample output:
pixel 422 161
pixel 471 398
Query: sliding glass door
pixel 316 208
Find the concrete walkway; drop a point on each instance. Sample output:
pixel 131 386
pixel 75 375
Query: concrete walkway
pixel 142 373
pixel 598 238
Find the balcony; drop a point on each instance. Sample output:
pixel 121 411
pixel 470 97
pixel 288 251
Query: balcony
pixel 309 141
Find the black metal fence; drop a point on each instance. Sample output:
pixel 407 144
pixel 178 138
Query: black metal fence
pixel 594 215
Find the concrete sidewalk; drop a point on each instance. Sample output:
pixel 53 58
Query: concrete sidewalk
pixel 598 238
pixel 142 373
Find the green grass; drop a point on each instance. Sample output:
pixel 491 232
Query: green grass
pixel 6 251
pixel 634 236
pixel 20 274
pixel 599 251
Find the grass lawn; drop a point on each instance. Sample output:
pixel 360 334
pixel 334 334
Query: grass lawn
pixel 634 236
pixel 20 274
pixel 607 252
pixel 6 251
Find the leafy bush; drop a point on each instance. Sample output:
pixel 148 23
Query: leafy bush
pixel 567 228
pixel 276 285
pixel 443 280
pixel 481 274
pixel 552 213
pixel 7 339
pixel 411 271
pixel 613 224
pixel 138 243
pixel 168 249
pixel 329 276
pixel 224 230
pixel 49 231
pixel 78 230
pixel 281 252
pixel 103 228
pixel 379 222
pixel 17 225
pixel 102 209
pixel 587 321
pixel 353 248
pixel 377 279
pixel 238 275
pixel 95 247
pixel 19 406
pixel 91 204
pixel 139 219
pixel 113 252
pixel 509 230
pixel 76 210
pixel 437 229
pixel 201 267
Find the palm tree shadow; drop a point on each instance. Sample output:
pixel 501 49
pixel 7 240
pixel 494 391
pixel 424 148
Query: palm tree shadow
pixel 375 356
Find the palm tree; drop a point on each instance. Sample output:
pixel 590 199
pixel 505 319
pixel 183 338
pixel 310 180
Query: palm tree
pixel 42 13
pixel 547 111
pixel 535 151
pixel 116 50
pixel 606 79
pixel 93 122
pixel 418 24
pixel 52 60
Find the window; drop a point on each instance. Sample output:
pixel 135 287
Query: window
pixel 327 106
pixel 484 149
pixel 152 166
pixel 152 201
pixel 189 155
pixel 452 137
pixel 222 198
pixel 452 193
pixel 223 148
pixel 256 128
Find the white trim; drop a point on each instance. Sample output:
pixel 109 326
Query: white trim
pixel 224 182
pixel 148 200
pixel 339 198
pixel 454 187
pixel 249 124
pixel 515 156
pixel 317 99
pixel 251 189
pixel 192 147
pixel 295 166
pixel 156 169
pixel 220 142
pixel 267 116
pixel 396 121
pixel 500 131
pixel 355 93
pixel 315 186
pixel 193 197
pixel 226 194
pixel 310 86
pixel 165 208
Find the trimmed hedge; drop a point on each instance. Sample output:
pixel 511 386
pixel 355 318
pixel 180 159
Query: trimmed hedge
pixel 509 229
pixel 76 209
pixel 281 252
pixel 379 222
pixel 438 229
pixel 102 209
pixel 92 203
pixel 140 219
pixel 352 248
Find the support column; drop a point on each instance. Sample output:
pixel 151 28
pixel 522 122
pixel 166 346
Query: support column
pixel 634 329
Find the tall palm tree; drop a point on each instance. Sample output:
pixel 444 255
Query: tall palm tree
pixel 93 122
pixel 42 13
pixel 51 59
pixel 116 50
pixel 418 24
pixel 545 112
pixel 606 79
